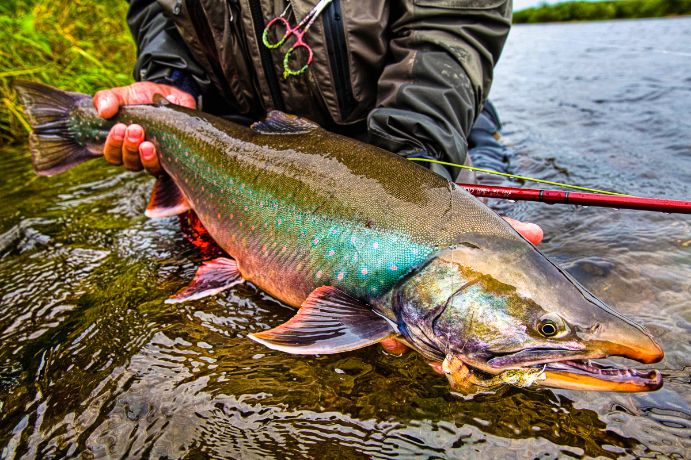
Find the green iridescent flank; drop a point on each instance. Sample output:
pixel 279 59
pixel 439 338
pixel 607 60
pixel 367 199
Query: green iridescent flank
pixel 362 261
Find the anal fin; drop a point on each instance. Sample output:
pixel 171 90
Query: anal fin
pixel 166 199
pixel 211 278
pixel 329 321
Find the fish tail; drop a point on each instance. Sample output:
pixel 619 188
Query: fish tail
pixel 66 128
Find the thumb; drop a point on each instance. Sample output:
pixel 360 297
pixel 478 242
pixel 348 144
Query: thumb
pixel 106 103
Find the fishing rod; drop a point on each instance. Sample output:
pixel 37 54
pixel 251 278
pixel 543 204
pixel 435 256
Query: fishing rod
pixel 595 197
pixel 579 198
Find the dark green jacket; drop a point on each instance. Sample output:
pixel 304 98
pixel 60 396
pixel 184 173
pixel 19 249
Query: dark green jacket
pixel 413 75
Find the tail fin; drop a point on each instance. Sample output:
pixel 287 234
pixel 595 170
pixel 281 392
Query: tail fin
pixel 55 143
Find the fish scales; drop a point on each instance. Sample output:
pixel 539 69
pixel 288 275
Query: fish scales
pixel 301 211
pixel 369 245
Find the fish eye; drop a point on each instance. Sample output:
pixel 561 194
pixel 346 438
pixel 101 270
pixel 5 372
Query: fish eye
pixel 552 325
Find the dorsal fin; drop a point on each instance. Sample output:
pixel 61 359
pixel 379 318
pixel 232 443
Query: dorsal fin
pixel 278 122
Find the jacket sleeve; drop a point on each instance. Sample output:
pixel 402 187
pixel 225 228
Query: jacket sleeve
pixel 441 58
pixel 161 53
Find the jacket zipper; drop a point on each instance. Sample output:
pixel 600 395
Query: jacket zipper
pixel 203 32
pixel 265 55
pixel 334 30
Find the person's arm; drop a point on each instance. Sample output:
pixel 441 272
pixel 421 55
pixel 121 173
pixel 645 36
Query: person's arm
pixel 162 56
pixel 442 55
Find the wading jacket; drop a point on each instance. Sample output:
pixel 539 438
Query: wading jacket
pixel 410 76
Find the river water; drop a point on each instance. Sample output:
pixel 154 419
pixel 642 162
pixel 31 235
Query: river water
pixel 94 364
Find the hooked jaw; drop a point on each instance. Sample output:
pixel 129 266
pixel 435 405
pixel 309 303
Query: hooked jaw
pixel 572 369
pixel 634 343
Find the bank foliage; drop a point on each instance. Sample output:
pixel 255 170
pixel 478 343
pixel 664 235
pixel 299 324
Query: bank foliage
pixel 592 11
pixel 79 45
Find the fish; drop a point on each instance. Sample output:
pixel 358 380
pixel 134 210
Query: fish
pixel 365 244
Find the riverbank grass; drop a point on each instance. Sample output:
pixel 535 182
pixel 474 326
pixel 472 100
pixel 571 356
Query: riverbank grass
pixel 80 45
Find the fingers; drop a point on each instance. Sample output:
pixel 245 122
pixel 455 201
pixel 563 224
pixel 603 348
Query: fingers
pixel 529 231
pixel 107 103
pixel 134 135
pixel 126 145
pixel 393 346
pixel 112 149
pixel 182 98
pixel 149 158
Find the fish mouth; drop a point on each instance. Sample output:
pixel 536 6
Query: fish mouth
pixel 574 370
pixel 592 376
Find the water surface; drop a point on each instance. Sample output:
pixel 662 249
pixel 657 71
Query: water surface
pixel 93 363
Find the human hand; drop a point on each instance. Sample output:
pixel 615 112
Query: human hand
pixel 530 232
pixel 125 145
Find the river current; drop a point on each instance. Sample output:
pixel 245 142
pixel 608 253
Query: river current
pixel 93 363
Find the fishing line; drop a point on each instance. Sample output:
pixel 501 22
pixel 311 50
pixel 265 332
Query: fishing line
pixel 514 176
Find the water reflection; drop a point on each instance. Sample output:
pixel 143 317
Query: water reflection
pixel 93 363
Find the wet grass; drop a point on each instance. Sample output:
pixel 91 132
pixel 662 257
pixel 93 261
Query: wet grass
pixel 80 45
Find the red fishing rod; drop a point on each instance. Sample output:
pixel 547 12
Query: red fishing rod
pixel 585 199
pixel 593 197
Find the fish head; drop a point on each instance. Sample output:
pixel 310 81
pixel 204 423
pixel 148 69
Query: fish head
pixel 499 306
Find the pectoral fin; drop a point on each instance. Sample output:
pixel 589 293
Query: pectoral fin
pixel 211 278
pixel 329 321
pixel 166 199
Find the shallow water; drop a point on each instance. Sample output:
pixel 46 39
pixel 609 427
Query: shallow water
pixel 93 363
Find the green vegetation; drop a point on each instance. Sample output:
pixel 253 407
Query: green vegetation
pixel 591 11
pixel 80 45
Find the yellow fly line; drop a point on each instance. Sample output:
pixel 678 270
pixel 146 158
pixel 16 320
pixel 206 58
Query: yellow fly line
pixel 514 176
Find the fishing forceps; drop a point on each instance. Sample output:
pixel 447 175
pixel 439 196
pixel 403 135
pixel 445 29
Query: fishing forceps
pixel 299 31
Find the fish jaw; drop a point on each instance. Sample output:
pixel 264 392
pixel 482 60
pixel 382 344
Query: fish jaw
pixel 572 368
pixel 465 376
pixel 588 376
pixel 576 371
